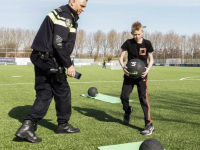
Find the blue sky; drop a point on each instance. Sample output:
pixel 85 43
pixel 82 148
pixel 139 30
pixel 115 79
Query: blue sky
pixel 182 16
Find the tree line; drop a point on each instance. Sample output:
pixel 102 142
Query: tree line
pixel 108 44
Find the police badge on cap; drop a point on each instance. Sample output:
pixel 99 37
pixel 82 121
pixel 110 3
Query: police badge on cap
pixel 68 23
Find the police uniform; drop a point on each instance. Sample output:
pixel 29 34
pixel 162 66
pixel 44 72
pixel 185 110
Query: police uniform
pixel 139 51
pixel 52 48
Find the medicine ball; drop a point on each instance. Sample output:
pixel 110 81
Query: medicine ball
pixel 135 68
pixel 151 144
pixel 92 92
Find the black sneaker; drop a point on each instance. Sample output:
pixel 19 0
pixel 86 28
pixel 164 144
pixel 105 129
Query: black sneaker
pixel 148 130
pixel 127 116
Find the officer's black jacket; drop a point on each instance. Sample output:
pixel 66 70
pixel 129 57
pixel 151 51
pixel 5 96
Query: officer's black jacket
pixel 57 34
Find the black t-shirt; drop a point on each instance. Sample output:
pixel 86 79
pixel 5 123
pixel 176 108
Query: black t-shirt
pixel 136 50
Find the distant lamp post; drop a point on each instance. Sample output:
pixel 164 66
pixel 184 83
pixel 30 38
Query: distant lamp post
pixel 192 56
pixel 184 51
pixel 144 27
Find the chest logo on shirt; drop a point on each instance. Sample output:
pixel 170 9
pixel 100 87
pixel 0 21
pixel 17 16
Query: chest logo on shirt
pixel 143 51
pixel 68 23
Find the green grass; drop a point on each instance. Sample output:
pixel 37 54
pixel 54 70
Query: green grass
pixel 175 110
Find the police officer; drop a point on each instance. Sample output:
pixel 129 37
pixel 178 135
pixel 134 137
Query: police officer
pixel 52 48
pixel 141 49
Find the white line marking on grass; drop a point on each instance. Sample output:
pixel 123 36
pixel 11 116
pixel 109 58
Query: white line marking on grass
pixel 97 82
pixel 186 79
pixel 16 76
pixel 69 82
pixel 165 80
pixel 16 83
pixel 190 78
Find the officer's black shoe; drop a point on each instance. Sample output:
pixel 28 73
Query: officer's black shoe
pixel 26 131
pixel 66 128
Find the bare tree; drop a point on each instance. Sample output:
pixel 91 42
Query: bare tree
pixel 98 39
pixel 80 42
pixel 104 44
pixel 171 43
pixel 17 36
pixel 122 37
pixel 157 40
pixel 194 45
pixel 147 35
pixel 112 41
pixel 2 39
pixel 28 37
pixel 10 43
pixel 90 44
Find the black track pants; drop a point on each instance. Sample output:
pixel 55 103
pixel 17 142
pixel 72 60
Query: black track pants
pixel 142 88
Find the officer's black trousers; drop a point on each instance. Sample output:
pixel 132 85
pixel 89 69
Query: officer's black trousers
pixel 45 91
pixel 142 88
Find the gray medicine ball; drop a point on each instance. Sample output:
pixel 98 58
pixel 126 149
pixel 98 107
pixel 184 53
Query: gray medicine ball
pixel 135 68
pixel 151 144
pixel 92 91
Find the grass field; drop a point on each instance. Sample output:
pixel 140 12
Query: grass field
pixel 174 95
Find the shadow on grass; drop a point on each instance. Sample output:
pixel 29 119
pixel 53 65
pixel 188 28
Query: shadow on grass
pixel 19 112
pixel 102 116
pixel 17 139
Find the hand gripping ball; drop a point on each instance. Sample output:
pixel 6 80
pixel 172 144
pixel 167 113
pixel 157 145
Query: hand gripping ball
pixel 92 91
pixel 135 68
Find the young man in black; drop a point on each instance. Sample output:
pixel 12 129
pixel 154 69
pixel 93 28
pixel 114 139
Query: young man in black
pixel 141 49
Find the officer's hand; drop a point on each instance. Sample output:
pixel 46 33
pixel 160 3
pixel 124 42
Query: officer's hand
pixel 125 71
pixel 71 71
pixel 145 73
